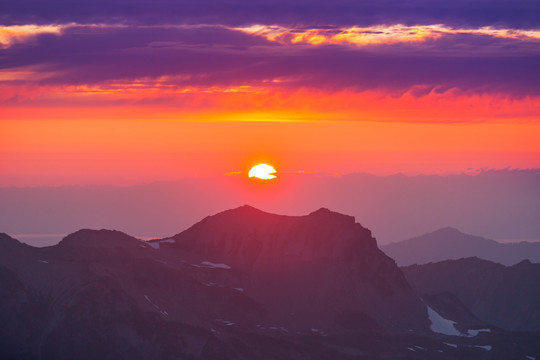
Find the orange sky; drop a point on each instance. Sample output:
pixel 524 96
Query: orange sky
pixel 126 103
pixel 338 132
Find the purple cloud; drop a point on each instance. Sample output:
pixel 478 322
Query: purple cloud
pixel 461 13
pixel 218 56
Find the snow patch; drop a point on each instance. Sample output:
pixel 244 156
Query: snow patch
pixel 485 347
pixel 473 333
pixel 44 261
pixel 213 284
pixel 411 349
pixel 226 322
pixel 317 331
pixel 150 301
pixel 441 325
pixel 273 328
pixel 215 266
pixel 162 312
pixel 155 244
pixel 452 345
pixel 530 357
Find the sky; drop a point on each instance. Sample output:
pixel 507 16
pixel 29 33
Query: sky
pixel 124 92
pixel 498 204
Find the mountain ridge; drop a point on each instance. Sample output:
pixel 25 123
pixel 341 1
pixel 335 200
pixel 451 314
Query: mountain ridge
pixel 504 296
pixel 450 243
pixel 277 261
pixel 240 284
pixel 324 253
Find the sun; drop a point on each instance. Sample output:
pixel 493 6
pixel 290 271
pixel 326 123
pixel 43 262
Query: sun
pixel 262 171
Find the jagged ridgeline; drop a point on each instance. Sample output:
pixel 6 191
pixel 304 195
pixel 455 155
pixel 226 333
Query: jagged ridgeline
pixel 242 284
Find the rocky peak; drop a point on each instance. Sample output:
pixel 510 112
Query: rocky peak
pixel 523 264
pixel 9 244
pixel 247 235
pixel 324 256
pixel 327 216
pixel 6 240
pixel 98 239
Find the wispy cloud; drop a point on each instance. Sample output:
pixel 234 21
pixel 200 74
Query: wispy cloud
pixel 377 34
pixel 15 34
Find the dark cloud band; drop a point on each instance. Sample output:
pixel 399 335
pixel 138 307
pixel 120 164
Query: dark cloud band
pixel 219 56
pixel 460 13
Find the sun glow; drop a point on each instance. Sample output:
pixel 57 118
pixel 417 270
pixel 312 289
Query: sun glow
pixel 262 171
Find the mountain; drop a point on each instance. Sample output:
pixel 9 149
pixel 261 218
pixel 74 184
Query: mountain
pixel 242 284
pixel 504 296
pixel 449 243
pixel 322 270
pixel 97 295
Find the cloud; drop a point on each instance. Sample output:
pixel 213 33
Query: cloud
pixel 377 34
pixel 168 47
pixel 15 34
pixel 460 13
pixel 437 59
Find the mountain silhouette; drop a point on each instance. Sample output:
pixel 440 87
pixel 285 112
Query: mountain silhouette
pixel 241 284
pixel 449 243
pixel 323 268
pixel 504 296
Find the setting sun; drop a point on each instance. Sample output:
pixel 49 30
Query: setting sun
pixel 262 171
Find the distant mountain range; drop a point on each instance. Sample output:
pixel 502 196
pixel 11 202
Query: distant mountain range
pixel 242 284
pixel 504 296
pixel 449 243
pixel 499 204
